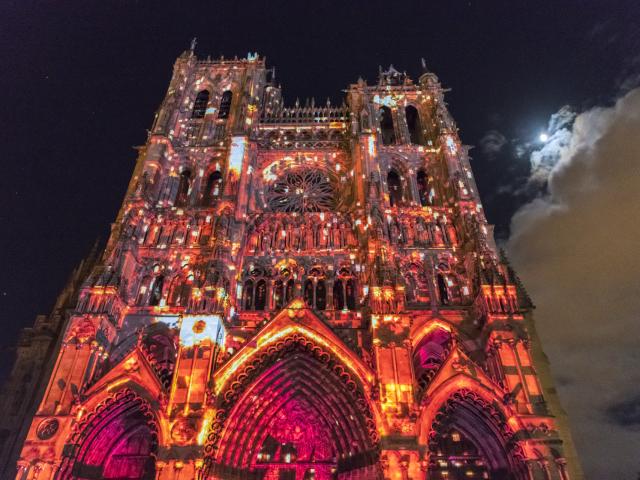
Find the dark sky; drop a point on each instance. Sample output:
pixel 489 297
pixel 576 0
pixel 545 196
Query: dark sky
pixel 80 82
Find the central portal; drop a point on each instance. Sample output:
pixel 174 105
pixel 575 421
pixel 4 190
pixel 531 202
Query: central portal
pixel 303 417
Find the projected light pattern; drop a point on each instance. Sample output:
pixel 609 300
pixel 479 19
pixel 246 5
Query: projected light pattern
pixel 304 292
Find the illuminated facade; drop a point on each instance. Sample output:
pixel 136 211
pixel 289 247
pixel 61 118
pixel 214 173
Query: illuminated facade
pixel 306 292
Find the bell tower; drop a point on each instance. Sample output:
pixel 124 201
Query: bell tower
pixel 306 291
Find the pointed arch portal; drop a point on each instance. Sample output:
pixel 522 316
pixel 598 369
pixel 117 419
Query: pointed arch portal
pixel 469 439
pixel 118 441
pixel 301 416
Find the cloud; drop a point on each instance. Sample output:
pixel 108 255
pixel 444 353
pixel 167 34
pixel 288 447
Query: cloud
pixel 544 159
pixel 625 413
pixel 577 249
pixel 492 143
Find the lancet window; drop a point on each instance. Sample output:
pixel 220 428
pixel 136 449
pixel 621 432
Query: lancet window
pixel 181 291
pixel 344 291
pixel 443 289
pixel 184 186
pixel 254 292
pixel 213 187
pixel 394 184
pixel 413 123
pixel 200 105
pixel 315 289
pixel 155 294
pixel 225 104
pixel 423 188
pixel 283 289
pixel 386 126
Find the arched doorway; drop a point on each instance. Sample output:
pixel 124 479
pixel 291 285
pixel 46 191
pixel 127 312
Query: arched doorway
pixel 299 415
pixel 118 442
pixel 469 439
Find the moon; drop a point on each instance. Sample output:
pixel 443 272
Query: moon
pixel 543 137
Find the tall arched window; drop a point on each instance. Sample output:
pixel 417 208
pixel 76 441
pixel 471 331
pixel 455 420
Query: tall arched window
pixel 283 288
pixel 338 295
pixel 145 286
pixel 213 187
pixel 261 295
pixel 247 295
pixel 180 291
pixel 321 295
pixel 442 289
pixel 183 188
pixel 156 291
pixel 350 294
pixel 409 287
pixel 395 188
pixel 200 105
pixel 278 294
pixel 386 126
pixel 288 292
pixel 225 104
pixel 315 290
pixel 344 291
pixel 415 127
pixel 308 293
pixel 423 187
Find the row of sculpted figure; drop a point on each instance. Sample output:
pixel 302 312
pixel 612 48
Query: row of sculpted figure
pixel 416 231
pixel 187 231
pixel 307 232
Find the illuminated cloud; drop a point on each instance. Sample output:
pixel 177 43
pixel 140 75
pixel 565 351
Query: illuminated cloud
pixel 558 136
pixel 577 251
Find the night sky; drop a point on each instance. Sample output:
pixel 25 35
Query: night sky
pixel 81 80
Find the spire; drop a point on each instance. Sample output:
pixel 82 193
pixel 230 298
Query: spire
pixel 427 78
pixel 194 42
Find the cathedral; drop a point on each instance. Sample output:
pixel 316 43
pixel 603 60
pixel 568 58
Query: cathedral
pixel 292 292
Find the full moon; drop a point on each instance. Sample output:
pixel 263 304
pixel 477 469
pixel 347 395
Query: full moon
pixel 543 137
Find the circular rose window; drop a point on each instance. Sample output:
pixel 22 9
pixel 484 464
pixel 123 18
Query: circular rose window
pixel 302 190
pixel 47 428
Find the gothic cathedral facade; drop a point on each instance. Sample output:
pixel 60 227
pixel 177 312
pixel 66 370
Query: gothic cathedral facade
pixel 303 292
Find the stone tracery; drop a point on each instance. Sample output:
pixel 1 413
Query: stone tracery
pixel 302 190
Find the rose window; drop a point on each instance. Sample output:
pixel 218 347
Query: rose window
pixel 302 190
